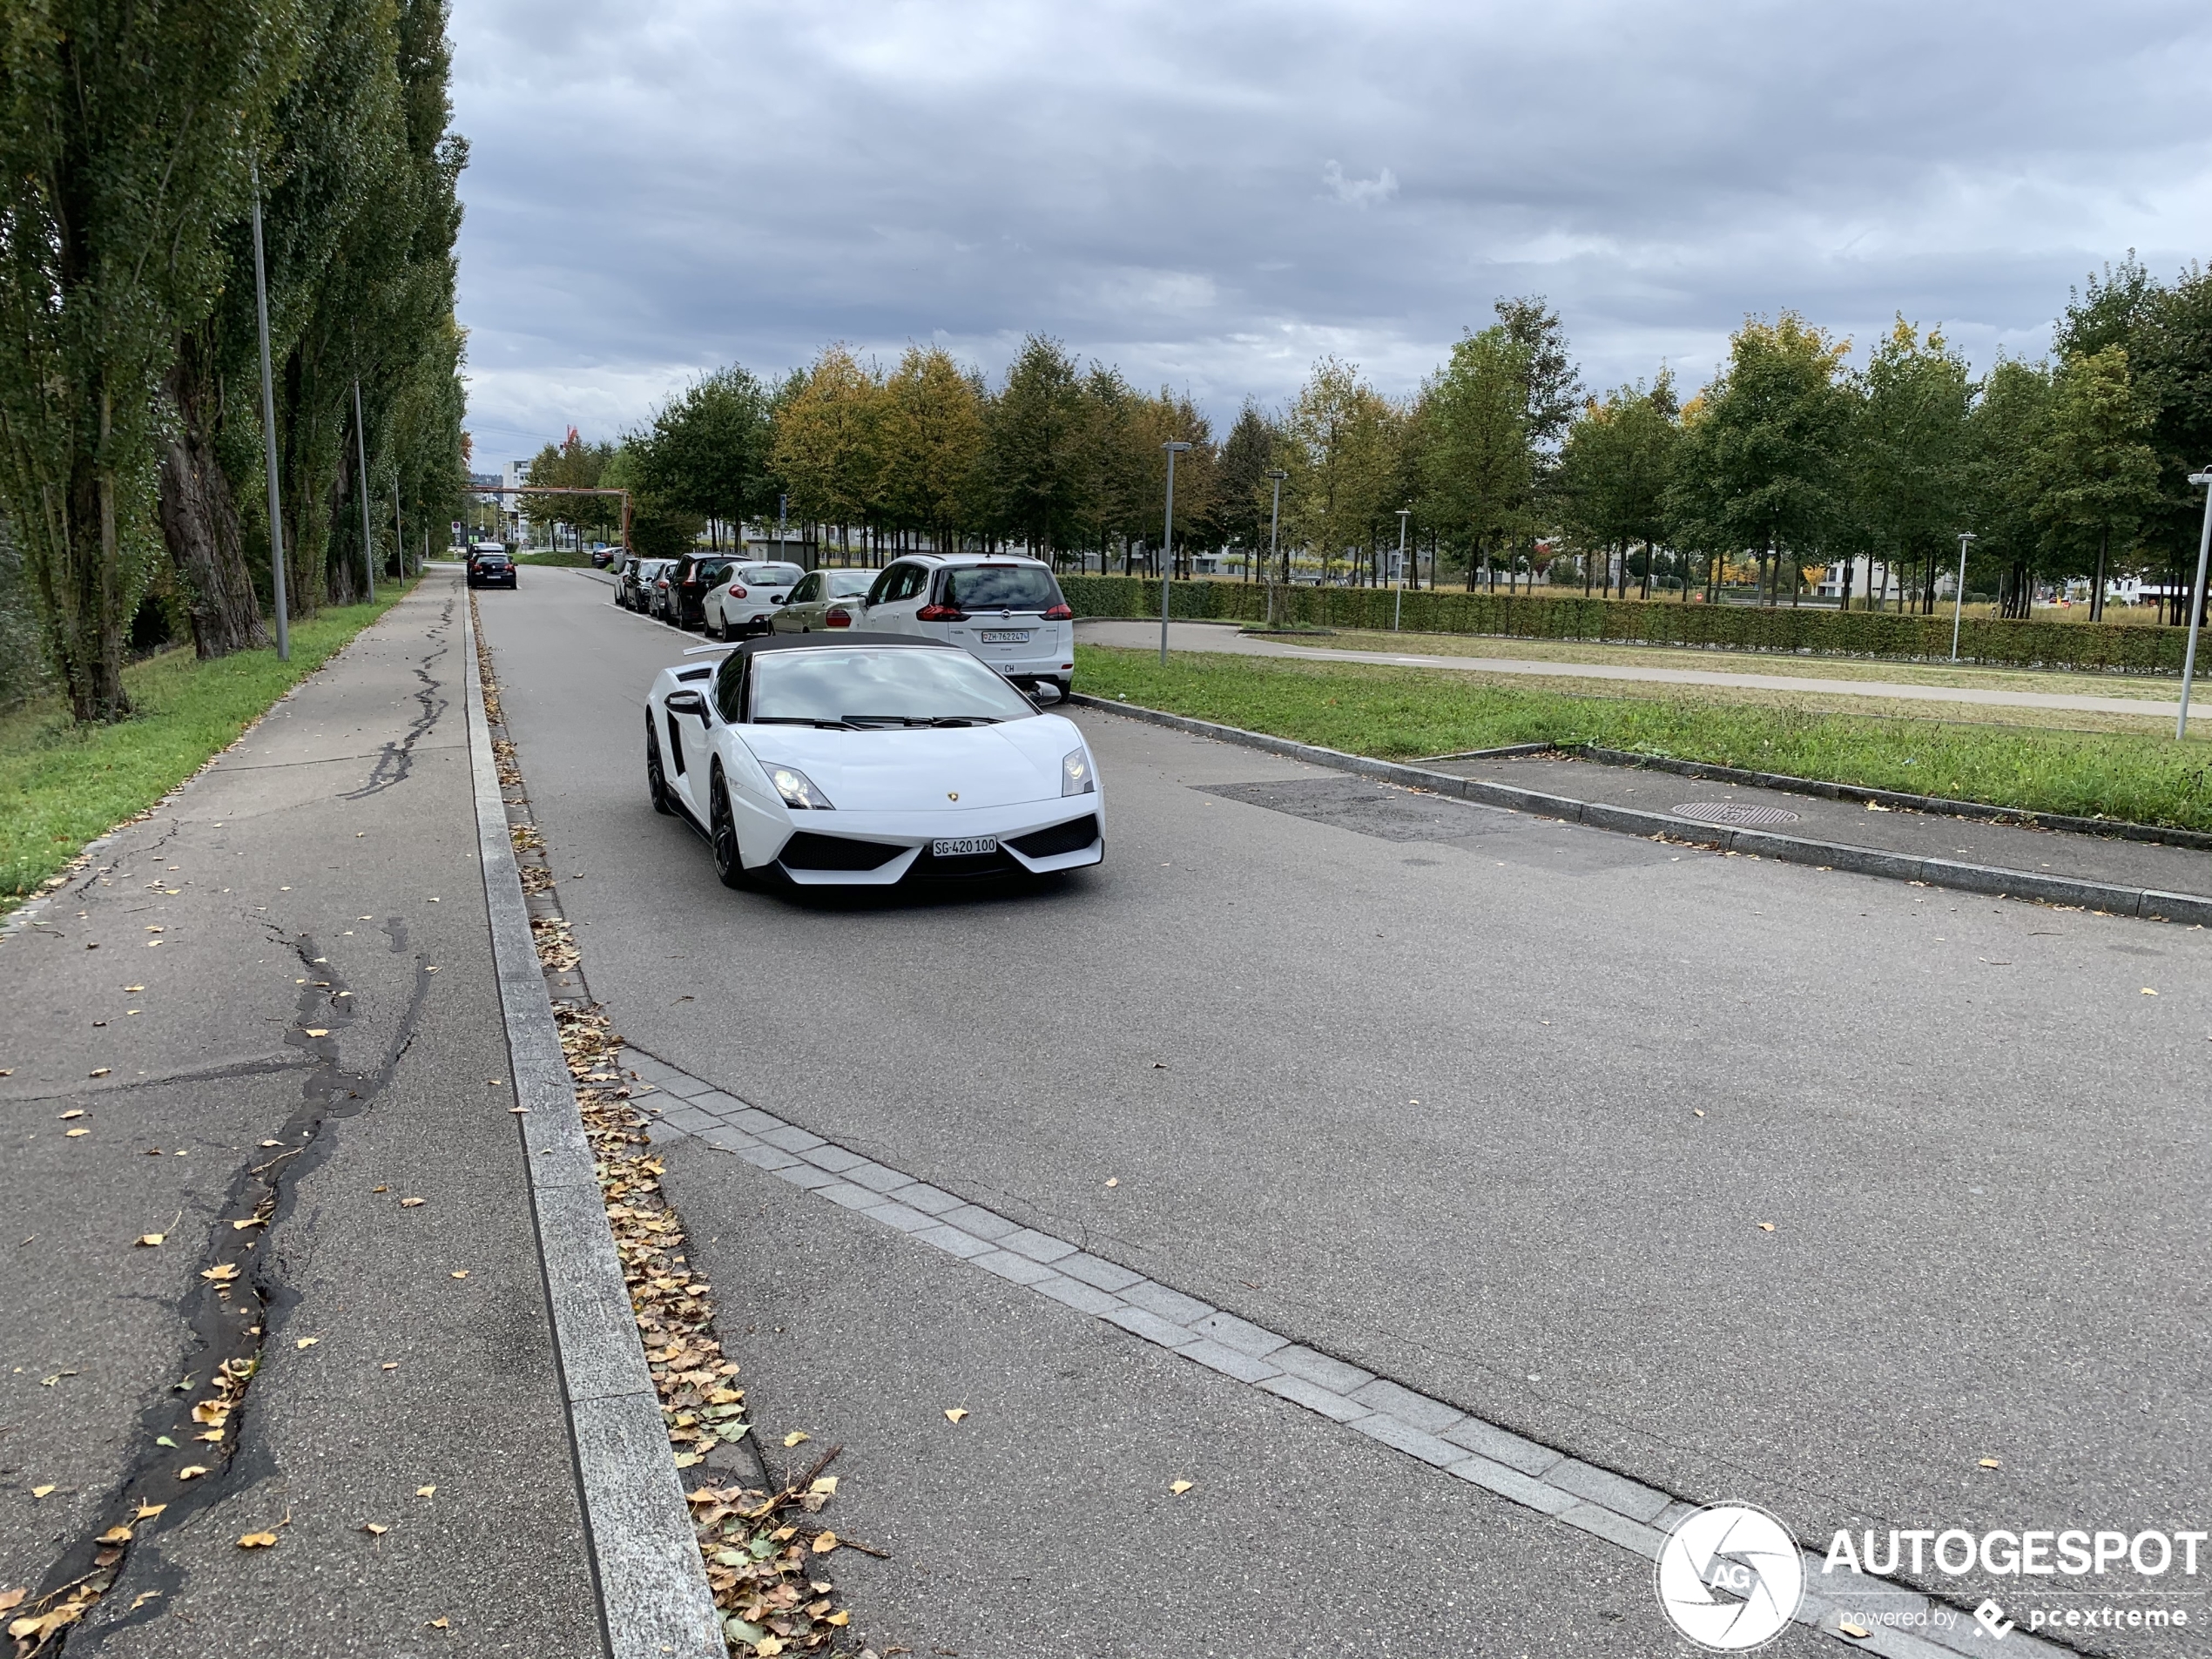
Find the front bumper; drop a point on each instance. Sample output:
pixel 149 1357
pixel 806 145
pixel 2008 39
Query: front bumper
pixel 910 833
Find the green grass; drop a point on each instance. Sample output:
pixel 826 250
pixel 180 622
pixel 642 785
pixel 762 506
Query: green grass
pixel 565 559
pixel 1401 714
pixel 63 785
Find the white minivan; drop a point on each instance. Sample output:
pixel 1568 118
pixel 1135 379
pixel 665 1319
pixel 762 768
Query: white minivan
pixel 1003 608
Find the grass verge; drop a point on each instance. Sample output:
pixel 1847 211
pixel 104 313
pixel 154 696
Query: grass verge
pixel 1402 713
pixel 61 786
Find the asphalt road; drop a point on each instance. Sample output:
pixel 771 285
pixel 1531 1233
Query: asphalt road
pixel 1492 1107
pixel 323 985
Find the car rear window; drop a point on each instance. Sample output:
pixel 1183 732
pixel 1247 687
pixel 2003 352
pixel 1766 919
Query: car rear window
pixel 1001 587
pixel 771 576
pixel 849 585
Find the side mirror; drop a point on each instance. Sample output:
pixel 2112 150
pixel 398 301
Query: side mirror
pixel 687 703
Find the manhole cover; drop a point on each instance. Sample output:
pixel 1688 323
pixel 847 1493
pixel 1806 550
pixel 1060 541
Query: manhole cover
pixel 1742 814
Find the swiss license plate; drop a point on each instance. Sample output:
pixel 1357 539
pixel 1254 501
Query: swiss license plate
pixel 1006 637
pixel 964 846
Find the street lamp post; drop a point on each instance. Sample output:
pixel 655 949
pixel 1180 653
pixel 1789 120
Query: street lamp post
pixel 1398 608
pixel 1167 545
pixel 1959 599
pixel 268 438
pixel 1274 523
pixel 2197 602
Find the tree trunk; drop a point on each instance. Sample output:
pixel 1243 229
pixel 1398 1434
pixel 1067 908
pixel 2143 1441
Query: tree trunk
pixel 199 518
pixel 2097 590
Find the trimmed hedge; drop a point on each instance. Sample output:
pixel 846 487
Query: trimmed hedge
pixel 2094 647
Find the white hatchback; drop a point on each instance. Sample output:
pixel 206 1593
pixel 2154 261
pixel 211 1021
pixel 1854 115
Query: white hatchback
pixel 1005 609
pixel 743 603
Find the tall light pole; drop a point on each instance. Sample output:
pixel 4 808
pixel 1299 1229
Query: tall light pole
pixel 1398 607
pixel 361 455
pixel 399 530
pixel 1167 545
pixel 1274 522
pixel 2197 602
pixel 1959 599
pixel 268 436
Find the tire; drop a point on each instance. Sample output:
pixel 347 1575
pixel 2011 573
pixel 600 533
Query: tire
pixel 729 858
pixel 656 778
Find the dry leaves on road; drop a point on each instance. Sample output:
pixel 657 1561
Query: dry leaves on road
pixel 762 1561
pixel 257 1541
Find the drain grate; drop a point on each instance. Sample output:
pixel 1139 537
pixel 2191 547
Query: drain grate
pixel 1741 814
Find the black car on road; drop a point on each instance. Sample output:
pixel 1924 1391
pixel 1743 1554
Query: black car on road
pixel 688 583
pixel 490 566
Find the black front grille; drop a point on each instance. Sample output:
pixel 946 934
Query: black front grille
pixel 807 850
pixel 1071 837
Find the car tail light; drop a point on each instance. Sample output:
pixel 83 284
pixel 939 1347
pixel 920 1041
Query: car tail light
pixel 839 618
pixel 736 592
pixel 941 613
pixel 1060 613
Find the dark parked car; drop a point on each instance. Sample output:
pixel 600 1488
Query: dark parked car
pixel 490 567
pixel 659 598
pixel 604 556
pixel 689 580
pixel 632 578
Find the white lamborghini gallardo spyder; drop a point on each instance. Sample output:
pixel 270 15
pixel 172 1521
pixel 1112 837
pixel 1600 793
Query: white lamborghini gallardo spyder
pixel 866 759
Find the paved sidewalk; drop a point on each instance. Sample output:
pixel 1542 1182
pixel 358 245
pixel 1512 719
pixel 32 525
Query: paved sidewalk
pixel 1206 637
pixel 291 954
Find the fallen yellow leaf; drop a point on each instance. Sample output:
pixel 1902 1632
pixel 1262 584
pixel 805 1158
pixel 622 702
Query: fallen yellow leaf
pixel 134 987
pixel 464 1273
pixel 425 1492
pixel 1991 1463
pixel 257 1541
pixel 114 1535
pixel 440 1624
pixel 411 1204
pixel 2149 992
pixel 222 1272
pixel 768 1647
pixel 306 1342
pixel 317 1031
pixel 71 1134
pixel 826 1486
pixel 11 1599
pixel 1851 1629
pixel 100 1071
pixel 1766 1226
pixel 374 1530
pixel 841 1619
pixel 953 1414
pixel 1113 1181
pixel 76 1112
pixel 824 1543
pixel 797 1435
pixel 251 1221
pixel 192 1471
pixel 1180 1487
pixel 148 1511
pixel 40 1492
pixel 152 1239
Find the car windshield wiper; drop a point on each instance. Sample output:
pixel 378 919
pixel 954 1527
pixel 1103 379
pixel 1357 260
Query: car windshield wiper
pixel 804 719
pixel 966 719
pixel 921 720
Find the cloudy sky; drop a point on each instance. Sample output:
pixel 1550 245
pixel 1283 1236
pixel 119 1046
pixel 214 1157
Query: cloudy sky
pixel 1212 195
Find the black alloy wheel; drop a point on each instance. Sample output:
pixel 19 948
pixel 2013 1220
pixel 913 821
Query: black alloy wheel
pixel 656 778
pixel 729 861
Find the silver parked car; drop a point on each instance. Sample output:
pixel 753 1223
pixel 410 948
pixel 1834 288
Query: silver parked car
pixel 823 599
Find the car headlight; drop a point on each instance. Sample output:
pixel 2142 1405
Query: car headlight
pixel 1075 775
pixel 798 789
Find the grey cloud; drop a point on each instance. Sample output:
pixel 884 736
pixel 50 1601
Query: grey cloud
pixel 1212 198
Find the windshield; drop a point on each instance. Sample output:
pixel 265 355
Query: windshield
pixel 771 576
pixel 848 585
pixel 897 686
pixel 999 587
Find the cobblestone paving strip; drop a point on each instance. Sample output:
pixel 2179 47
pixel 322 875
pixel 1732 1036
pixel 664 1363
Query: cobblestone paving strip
pixel 1623 1512
pixel 765 1560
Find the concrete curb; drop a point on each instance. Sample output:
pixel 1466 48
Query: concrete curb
pixel 2145 902
pixel 653 1596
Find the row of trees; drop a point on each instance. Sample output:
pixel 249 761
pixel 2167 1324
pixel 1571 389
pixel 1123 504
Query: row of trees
pixel 134 141
pixel 1789 460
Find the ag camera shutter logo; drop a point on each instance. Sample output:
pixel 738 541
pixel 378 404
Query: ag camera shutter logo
pixel 1729 1577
